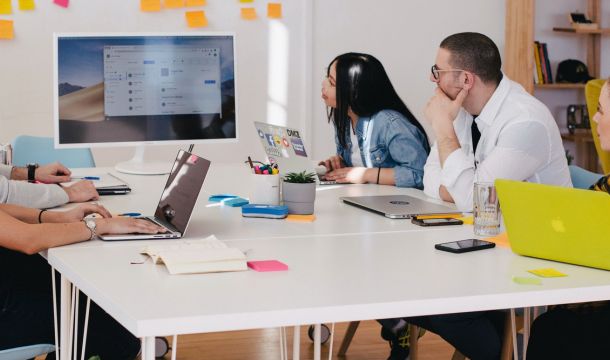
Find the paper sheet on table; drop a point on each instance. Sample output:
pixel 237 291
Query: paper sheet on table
pixel 500 240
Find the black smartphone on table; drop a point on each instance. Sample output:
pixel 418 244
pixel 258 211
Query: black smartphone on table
pixel 436 221
pixel 463 246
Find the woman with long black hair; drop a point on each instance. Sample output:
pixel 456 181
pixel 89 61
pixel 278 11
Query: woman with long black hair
pixel 378 139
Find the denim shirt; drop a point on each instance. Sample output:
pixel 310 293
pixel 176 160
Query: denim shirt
pixel 388 140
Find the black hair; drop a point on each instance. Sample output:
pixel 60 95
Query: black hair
pixel 476 53
pixel 363 85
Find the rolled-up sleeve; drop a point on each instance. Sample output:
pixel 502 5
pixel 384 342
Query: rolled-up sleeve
pixel 432 174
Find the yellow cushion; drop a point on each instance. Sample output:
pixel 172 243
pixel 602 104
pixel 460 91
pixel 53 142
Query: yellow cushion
pixel 592 91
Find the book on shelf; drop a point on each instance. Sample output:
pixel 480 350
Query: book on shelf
pixel 542 65
pixel 197 256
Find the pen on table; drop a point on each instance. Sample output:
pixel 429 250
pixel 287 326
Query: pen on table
pixel 130 214
pixel 86 177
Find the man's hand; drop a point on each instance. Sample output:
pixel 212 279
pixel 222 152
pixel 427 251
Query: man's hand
pixel 81 191
pixel 441 110
pixel 353 175
pixel 52 173
pixel 332 163
pixel 76 214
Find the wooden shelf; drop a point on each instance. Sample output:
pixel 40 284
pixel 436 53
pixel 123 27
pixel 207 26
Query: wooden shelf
pixel 560 86
pixel 581 135
pixel 582 31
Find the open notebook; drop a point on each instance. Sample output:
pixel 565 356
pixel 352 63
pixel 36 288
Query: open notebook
pixel 197 256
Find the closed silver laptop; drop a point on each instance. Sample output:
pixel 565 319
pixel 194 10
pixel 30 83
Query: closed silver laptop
pixel 398 206
pixel 177 200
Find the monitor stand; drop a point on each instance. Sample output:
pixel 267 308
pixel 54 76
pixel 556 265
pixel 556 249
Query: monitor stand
pixel 137 166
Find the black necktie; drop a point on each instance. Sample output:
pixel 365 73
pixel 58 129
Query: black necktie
pixel 476 134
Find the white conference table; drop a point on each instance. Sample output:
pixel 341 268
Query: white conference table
pixel 347 265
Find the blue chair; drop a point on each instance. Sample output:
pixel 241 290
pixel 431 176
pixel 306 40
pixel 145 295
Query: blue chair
pixel 34 149
pixel 26 352
pixel 581 178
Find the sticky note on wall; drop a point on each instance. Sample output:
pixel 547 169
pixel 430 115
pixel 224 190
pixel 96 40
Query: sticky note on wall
pixel 6 29
pixel 62 3
pixel 191 3
pixel 150 5
pixel 274 11
pixel 196 19
pixel 174 4
pixel 246 1
pixel 25 5
pixel 6 7
pixel 248 13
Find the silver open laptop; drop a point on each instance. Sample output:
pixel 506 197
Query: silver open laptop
pixel 286 148
pixel 177 200
pixel 398 206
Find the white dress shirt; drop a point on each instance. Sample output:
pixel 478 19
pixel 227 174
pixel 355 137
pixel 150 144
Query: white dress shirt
pixel 520 140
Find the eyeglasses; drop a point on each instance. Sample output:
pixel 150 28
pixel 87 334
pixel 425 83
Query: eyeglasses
pixel 436 71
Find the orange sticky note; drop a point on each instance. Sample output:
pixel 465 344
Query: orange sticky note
pixel 274 11
pixel 191 3
pixel 196 19
pixel 6 7
pixel 26 5
pixel 6 29
pixel 501 240
pixel 174 4
pixel 301 218
pixel 248 13
pixel 62 3
pixel 150 5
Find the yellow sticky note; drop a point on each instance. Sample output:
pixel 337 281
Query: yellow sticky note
pixel 522 280
pixel 191 3
pixel 246 1
pixel 274 11
pixel 196 19
pixel 174 4
pixel 248 14
pixel 6 29
pixel 6 7
pixel 467 220
pixel 150 5
pixel 26 5
pixel 549 272
pixel 301 218
pixel 501 240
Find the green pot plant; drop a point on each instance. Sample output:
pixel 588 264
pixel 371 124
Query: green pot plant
pixel 299 192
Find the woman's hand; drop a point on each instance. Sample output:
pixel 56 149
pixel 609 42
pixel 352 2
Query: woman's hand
pixel 76 214
pixel 126 225
pixel 332 163
pixel 353 175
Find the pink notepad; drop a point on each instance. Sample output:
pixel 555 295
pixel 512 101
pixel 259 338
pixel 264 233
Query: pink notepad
pixel 267 265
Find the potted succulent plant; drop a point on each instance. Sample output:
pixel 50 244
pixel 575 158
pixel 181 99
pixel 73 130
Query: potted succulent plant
pixel 299 192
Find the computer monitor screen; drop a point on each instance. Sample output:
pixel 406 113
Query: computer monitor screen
pixel 140 89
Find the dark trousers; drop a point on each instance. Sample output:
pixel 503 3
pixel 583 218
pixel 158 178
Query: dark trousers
pixel 566 334
pixel 477 335
pixel 26 311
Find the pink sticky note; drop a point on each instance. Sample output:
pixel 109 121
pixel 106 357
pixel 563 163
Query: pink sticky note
pixel 267 265
pixel 62 3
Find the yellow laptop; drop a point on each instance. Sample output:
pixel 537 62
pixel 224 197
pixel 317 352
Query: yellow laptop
pixel 557 223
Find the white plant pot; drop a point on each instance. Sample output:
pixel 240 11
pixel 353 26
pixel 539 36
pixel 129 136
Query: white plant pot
pixel 299 198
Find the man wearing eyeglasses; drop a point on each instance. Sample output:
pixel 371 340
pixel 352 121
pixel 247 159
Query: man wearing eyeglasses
pixel 486 126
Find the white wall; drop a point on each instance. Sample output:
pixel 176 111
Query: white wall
pixel 404 35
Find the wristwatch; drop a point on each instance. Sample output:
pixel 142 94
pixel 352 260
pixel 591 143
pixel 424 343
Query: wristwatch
pixel 92 226
pixel 32 172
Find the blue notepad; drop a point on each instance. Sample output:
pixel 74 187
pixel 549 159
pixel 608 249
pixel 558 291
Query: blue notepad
pixel 265 211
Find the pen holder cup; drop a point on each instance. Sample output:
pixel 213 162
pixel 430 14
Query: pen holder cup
pixel 265 189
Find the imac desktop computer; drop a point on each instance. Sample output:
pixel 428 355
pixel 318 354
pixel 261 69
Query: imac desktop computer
pixel 142 89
